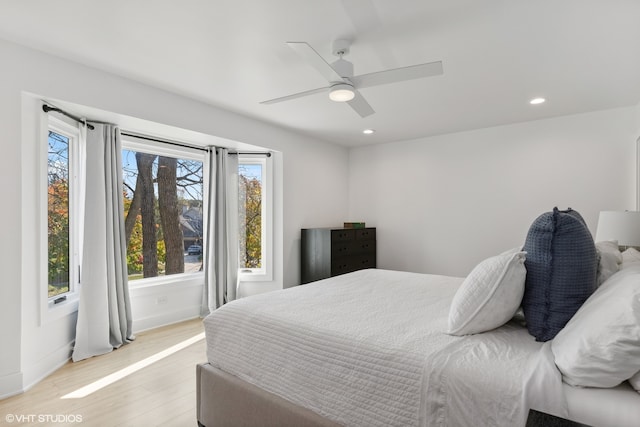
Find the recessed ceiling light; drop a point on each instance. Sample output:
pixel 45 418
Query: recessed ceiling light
pixel 536 101
pixel 368 131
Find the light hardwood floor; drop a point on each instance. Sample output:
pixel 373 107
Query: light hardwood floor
pixel 162 394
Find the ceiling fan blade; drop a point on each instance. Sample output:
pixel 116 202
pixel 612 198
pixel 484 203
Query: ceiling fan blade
pixel 306 52
pixel 397 75
pixel 295 95
pixel 360 105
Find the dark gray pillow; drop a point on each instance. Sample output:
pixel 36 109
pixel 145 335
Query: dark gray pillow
pixel 562 267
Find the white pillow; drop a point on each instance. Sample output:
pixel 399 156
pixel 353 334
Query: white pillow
pixel 635 382
pixel 610 259
pixel 630 257
pixel 600 345
pixel 610 246
pixel 489 296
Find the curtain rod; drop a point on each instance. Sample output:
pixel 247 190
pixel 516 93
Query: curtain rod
pixel 46 108
pixel 263 153
pixel 164 141
pixel 195 147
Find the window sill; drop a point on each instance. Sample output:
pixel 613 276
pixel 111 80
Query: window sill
pixel 52 312
pixel 255 276
pixel 187 278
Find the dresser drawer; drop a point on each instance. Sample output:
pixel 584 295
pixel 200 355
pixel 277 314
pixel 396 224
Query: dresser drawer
pixel 341 248
pixel 355 247
pixel 363 246
pixel 365 234
pixel 365 261
pixel 342 235
pixel 348 264
pixel 342 266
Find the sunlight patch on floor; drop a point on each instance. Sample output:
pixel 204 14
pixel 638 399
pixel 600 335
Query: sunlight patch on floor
pixel 110 379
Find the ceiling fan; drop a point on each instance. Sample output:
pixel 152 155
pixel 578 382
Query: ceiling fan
pixel 343 85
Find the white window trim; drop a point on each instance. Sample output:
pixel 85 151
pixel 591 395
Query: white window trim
pixel 265 273
pixel 162 149
pixel 165 280
pixel 49 309
pixel 132 143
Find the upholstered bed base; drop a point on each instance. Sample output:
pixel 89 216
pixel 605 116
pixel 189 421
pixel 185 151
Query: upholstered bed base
pixel 227 401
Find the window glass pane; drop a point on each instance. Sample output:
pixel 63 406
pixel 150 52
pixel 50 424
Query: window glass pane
pixel 250 219
pixel 163 214
pixel 58 214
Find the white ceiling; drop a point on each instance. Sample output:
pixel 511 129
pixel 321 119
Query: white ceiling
pixel 582 55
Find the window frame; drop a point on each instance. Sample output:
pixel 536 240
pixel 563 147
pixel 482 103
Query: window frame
pixel 264 273
pixel 132 143
pixel 67 302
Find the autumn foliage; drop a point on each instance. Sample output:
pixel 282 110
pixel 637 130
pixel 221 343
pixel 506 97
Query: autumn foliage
pixel 250 222
pixel 58 236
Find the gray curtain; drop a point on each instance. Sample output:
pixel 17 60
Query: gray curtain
pixel 221 233
pixel 104 311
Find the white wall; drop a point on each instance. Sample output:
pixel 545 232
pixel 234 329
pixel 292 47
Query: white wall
pixel 10 217
pixel 637 188
pixel 444 203
pixel 312 177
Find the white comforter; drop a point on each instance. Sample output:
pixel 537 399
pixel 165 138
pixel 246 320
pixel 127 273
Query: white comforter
pixel 369 349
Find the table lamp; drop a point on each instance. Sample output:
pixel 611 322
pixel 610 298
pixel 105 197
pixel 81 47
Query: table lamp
pixel 623 226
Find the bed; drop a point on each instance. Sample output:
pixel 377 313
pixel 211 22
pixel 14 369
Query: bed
pixel 547 334
pixel 369 348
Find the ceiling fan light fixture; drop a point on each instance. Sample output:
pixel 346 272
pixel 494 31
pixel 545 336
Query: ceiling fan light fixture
pixel 341 92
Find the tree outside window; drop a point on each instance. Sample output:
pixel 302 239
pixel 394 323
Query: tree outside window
pixel 163 214
pixel 250 179
pixel 58 214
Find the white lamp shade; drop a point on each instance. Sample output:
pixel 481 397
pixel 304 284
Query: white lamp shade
pixel 623 226
pixel 341 93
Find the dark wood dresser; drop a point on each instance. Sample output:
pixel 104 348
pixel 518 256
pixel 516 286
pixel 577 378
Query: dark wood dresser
pixel 328 252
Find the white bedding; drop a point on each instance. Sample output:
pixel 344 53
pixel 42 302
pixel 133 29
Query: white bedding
pixel 369 349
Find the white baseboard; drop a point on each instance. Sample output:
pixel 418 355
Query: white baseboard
pixel 10 385
pixel 32 375
pixel 165 318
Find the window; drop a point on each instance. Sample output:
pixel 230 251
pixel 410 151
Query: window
pixel 163 203
pixel 163 209
pixel 254 178
pixel 62 245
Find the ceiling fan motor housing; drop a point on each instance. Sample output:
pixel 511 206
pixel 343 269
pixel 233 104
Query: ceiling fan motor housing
pixel 343 67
